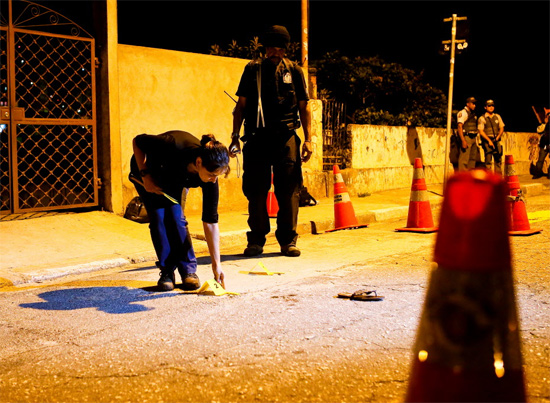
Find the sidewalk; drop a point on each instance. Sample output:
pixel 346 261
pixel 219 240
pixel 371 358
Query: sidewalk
pixel 57 245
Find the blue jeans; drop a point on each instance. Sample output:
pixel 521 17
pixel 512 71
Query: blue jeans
pixel 169 233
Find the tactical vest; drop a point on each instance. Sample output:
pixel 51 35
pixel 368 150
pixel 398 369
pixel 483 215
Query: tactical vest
pixel 282 114
pixel 470 126
pixel 492 125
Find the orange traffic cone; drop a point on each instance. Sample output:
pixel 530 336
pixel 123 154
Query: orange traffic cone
pixel 420 214
pixel 344 215
pixel 467 346
pixel 519 220
pixel 272 205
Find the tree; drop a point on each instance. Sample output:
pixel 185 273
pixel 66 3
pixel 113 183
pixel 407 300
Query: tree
pixel 253 50
pixel 381 93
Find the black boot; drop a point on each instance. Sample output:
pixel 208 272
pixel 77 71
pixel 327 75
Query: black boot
pixel 167 279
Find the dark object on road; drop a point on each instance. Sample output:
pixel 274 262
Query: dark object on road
pixel 362 295
pixel 135 211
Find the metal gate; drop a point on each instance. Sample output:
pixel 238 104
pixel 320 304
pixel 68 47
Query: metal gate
pixel 336 143
pixel 47 111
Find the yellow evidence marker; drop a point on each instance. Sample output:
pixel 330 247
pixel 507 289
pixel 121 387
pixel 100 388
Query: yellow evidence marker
pixel 214 287
pixel 264 272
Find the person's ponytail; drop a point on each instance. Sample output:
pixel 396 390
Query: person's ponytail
pixel 214 154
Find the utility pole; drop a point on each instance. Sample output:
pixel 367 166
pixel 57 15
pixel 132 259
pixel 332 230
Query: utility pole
pixel 450 45
pixel 305 37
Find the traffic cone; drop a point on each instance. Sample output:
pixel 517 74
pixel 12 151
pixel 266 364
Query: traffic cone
pixel 467 347
pixel 420 214
pixel 519 221
pixel 344 215
pixel 272 204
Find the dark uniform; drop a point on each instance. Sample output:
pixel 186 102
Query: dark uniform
pixel 491 125
pixel 544 148
pixel 271 142
pixel 467 157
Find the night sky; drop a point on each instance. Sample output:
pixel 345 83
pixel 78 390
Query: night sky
pixel 507 58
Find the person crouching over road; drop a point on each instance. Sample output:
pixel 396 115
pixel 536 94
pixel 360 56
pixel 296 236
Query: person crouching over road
pixel 162 167
pixel 491 127
pixel 467 132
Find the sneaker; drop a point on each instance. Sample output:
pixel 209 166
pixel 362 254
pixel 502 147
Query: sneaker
pixel 290 250
pixel 190 282
pixel 167 280
pixel 253 250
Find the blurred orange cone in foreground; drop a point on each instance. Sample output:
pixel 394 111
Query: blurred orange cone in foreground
pixel 519 221
pixel 272 204
pixel 420 217
pixel 344 215
pixel 467 346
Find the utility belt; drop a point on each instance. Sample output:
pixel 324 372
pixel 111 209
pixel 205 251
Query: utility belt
pixel 471 135
pixel 496 149
pixel 282 128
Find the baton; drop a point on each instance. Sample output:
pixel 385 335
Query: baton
pixel 133 178
pixel 534 110
pixel 230 96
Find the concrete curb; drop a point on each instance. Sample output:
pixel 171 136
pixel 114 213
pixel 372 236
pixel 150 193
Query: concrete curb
pixel 228 239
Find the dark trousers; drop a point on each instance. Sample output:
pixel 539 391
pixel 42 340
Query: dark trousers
pixel 493 153
pixel 264 151
pixel 169 232
pixel 543 152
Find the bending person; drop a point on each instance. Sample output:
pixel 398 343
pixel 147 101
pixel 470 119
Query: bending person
pixel 162 168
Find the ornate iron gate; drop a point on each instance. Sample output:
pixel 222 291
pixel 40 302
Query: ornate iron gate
pixel 336 144
pixel 47 111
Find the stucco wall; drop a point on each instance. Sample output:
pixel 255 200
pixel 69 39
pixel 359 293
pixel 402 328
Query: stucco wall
pixel 161 90
pixel 382 156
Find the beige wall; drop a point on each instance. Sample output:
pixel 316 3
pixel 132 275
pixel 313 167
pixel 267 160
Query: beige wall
pixel 382 156
pixel 146 90
pixel 161 90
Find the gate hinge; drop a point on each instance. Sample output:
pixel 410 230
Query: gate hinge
pixel 97 62
pixel 99 183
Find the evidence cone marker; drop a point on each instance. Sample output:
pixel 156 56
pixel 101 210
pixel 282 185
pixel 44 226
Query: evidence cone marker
pixel 344 215
pixel 264 271
pixel 420 217
pixel 467 346
pixel 214 286
pixel 519 218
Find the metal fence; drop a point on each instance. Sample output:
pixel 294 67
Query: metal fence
pixel 336 142
pixel 47 111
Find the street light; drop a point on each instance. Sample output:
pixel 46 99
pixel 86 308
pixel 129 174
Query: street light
pixel 451 46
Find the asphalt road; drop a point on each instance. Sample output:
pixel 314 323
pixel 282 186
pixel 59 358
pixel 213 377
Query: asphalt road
pixel 108 337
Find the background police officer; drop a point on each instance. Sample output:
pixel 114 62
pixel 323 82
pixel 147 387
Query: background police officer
pixel 544 146
pixel 491 127
pixel 467 131
pixel 272 93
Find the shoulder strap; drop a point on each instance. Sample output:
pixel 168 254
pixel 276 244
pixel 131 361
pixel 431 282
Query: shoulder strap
pixel 260 113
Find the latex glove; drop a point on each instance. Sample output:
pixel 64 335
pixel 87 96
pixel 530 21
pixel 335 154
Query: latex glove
pixel 234 147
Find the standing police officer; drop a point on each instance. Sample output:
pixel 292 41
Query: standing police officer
pixel 467 131
pixel 491 127
pixel 272 92
pixel 544 146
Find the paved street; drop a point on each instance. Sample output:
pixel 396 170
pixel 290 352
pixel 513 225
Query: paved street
pixel 107 337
